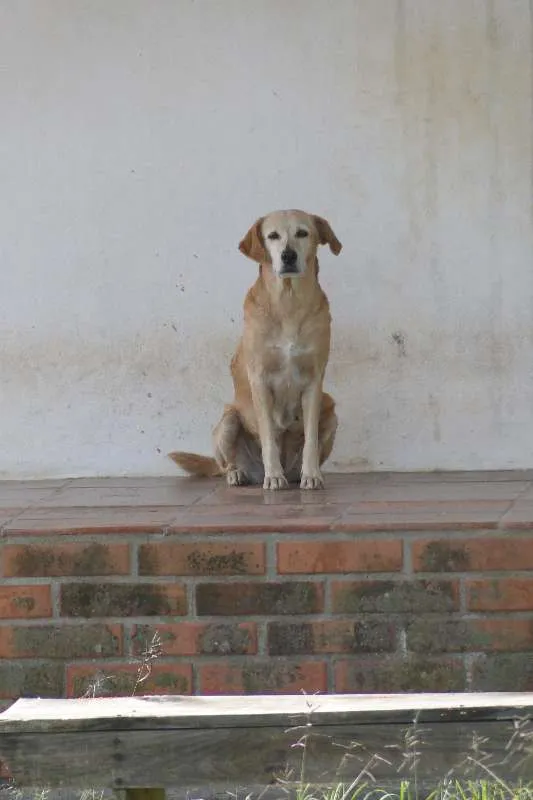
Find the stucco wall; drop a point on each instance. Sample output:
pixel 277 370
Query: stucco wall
pixel 139 138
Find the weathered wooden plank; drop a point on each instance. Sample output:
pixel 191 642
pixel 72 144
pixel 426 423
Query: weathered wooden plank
pixel 225 757
pixel 145 794
pixel 224 741
pixel 177 712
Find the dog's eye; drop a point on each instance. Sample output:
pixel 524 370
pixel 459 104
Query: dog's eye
pixel 301 234
pixel 273 235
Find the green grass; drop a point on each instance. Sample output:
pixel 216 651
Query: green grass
pixel 408 790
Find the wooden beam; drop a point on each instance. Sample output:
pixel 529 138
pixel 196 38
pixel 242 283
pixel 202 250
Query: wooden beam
pixel 187 742
pixel 145 794
pixel 177 712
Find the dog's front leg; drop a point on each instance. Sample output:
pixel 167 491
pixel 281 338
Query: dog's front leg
pixel 311 402
pixel 262 401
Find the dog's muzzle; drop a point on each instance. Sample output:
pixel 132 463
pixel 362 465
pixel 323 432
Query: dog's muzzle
pixel 289 258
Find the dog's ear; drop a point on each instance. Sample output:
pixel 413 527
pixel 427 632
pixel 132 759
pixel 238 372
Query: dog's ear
pixel 326 235
pixel 253 244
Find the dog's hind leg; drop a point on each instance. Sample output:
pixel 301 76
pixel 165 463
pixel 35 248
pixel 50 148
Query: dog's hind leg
pixel 327 428
pixel 236 451
pixel 225 437
pixel 249 457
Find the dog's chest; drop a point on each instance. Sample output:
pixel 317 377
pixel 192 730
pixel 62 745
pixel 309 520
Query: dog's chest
pixel 290 360
pixel 290 366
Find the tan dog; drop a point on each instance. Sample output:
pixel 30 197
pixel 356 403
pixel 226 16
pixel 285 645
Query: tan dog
pixel 281 425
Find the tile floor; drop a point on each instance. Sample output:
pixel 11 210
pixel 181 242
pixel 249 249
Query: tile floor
pixel 350 502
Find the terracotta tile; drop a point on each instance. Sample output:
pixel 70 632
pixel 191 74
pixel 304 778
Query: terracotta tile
pixel 23 498
pixel 494 475
pixel 122 496
pixel 255 495
pixel 409 491
pixel 431 518
pixel 461 476
pixel 38 484
pixel 256 519
pixel 9 514
pixel 527 495
pixel 520 517
pixel 344 487
pixel 140 482
pixel 495 507
pixel 335 479
pixel 350 502
pixel 90 520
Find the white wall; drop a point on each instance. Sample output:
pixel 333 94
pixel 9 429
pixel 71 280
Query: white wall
pixel 140 138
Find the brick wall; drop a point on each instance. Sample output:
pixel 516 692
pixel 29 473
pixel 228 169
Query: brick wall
pixel 267 613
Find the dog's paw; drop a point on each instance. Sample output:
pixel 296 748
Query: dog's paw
pixel 236 477
pixel 274 482
pixel 314 481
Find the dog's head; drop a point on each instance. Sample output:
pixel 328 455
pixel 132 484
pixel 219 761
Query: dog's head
pixel 288 240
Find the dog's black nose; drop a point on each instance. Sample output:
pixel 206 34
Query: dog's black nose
pixel 289 257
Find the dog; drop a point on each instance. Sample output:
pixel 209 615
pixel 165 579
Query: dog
pixel 281 426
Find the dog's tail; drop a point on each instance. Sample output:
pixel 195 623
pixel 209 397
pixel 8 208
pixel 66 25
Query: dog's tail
pixel 200 466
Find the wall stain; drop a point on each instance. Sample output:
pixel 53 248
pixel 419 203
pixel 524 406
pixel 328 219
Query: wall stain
pixel 399 340
pixel 434 410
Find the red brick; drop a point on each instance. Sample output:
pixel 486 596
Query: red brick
pixel 390 597
pixel 395 674
pixel 31 679
pixel 122 600
pixel 197 638
pixel 454 635
pixel 5 774
pixel 330 636
pixel 367 555
pixel 263 677
pixel 61 641
pixel 469 555
pixel 58 559
pixel 25 602
pixel 202 558
pixel 118 679
pixel 502 672
pixel 500 594
pixel 505 634
pixel 242 599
